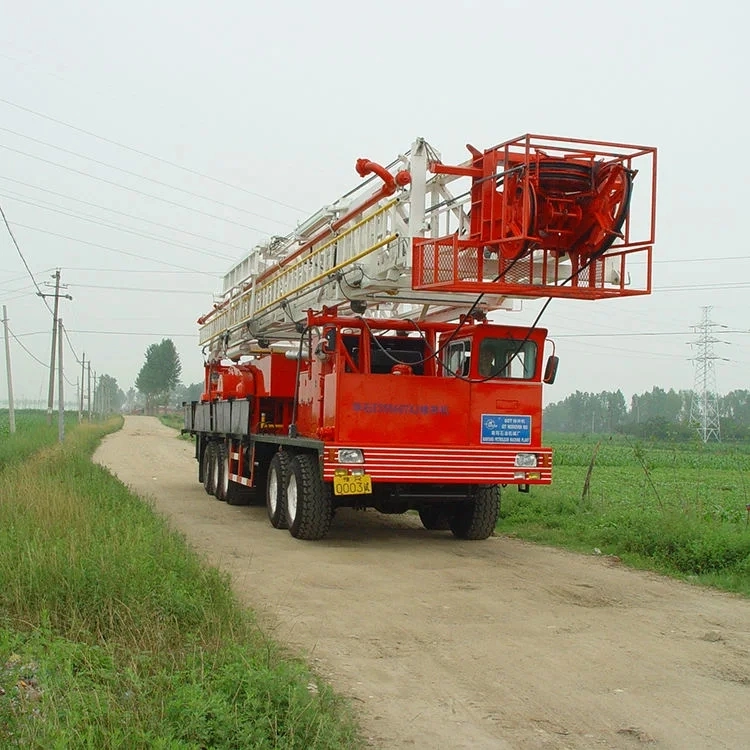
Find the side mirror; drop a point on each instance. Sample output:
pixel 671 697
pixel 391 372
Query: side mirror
pixel 550 369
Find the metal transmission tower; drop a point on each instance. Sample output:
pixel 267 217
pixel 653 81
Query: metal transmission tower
pixel 704 409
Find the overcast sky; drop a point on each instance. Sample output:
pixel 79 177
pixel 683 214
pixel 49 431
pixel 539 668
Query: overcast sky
pixel 277 100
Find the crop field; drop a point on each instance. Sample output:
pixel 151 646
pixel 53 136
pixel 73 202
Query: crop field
pixel 680 509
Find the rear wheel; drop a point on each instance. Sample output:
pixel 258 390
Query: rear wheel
pixel 209 468
pixel 308 501
pixel 477 518
pixel 221 491
pixel 278 476
pixel 435 517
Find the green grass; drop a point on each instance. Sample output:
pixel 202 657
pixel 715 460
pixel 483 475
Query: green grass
pixel 32 433
pixel 114 634
pixel 177 421
pixel 679 511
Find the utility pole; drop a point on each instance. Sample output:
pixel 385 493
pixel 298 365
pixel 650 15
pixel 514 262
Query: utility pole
pixel 56 295
pixel 88 366
pixel 61 407
pixel 11 413
pixel 80 403
pixel 96 394
pixel 704 408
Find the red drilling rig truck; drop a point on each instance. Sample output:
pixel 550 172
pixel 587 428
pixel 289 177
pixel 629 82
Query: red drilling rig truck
pixel 355 362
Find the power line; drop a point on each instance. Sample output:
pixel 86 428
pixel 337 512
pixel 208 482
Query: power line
pixel 137 333
pixel 33 333
pixel 26 265
pixel 136 270
pixel 639 333
pixel 17 296
pixel 33 356
pixel 67 338
pixel 123 213
pixel 111 249
pixel 698 287
pixel 20 278
pixel 139 289
pixel 15 242
pixel 118 227
pixel 600 347
pixel 140 176
pixel 151 156
pixel 114 270
pixel 26 288
pixel 133 190
pixel 701 260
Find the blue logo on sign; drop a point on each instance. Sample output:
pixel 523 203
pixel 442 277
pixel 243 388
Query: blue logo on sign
pixel 506 428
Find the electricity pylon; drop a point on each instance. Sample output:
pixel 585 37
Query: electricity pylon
pixel 704 408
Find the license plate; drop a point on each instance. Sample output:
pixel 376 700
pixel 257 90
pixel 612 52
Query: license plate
pixel 352 484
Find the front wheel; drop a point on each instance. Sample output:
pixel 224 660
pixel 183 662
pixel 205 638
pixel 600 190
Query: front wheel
pixel 309 509
pixel 477 518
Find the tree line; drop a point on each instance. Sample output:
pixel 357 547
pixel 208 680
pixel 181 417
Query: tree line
pixel 656 413
pixel 157 385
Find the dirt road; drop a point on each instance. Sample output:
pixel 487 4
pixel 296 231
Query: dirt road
pixel 447 644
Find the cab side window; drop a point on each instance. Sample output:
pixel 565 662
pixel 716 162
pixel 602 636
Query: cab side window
pixel 457 359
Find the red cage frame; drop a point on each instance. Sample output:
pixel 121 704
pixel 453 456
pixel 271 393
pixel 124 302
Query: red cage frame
pixel 533 238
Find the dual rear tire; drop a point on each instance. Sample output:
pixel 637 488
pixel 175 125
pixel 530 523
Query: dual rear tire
pixel 210 468
pixel 296 496
pixel 221 491
pixel 215 476
pixel 278 475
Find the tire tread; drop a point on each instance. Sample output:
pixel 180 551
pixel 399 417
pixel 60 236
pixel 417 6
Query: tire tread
pixel 477 518
pixel 314 506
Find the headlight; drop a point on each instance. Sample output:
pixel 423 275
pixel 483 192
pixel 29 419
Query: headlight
pixel 352 456
pixel 527 460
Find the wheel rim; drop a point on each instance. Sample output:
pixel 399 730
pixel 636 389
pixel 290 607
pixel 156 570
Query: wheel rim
pixel 291 498
pixel 273 490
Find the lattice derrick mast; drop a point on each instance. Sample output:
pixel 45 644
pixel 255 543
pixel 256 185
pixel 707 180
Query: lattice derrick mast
pixel 357 250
